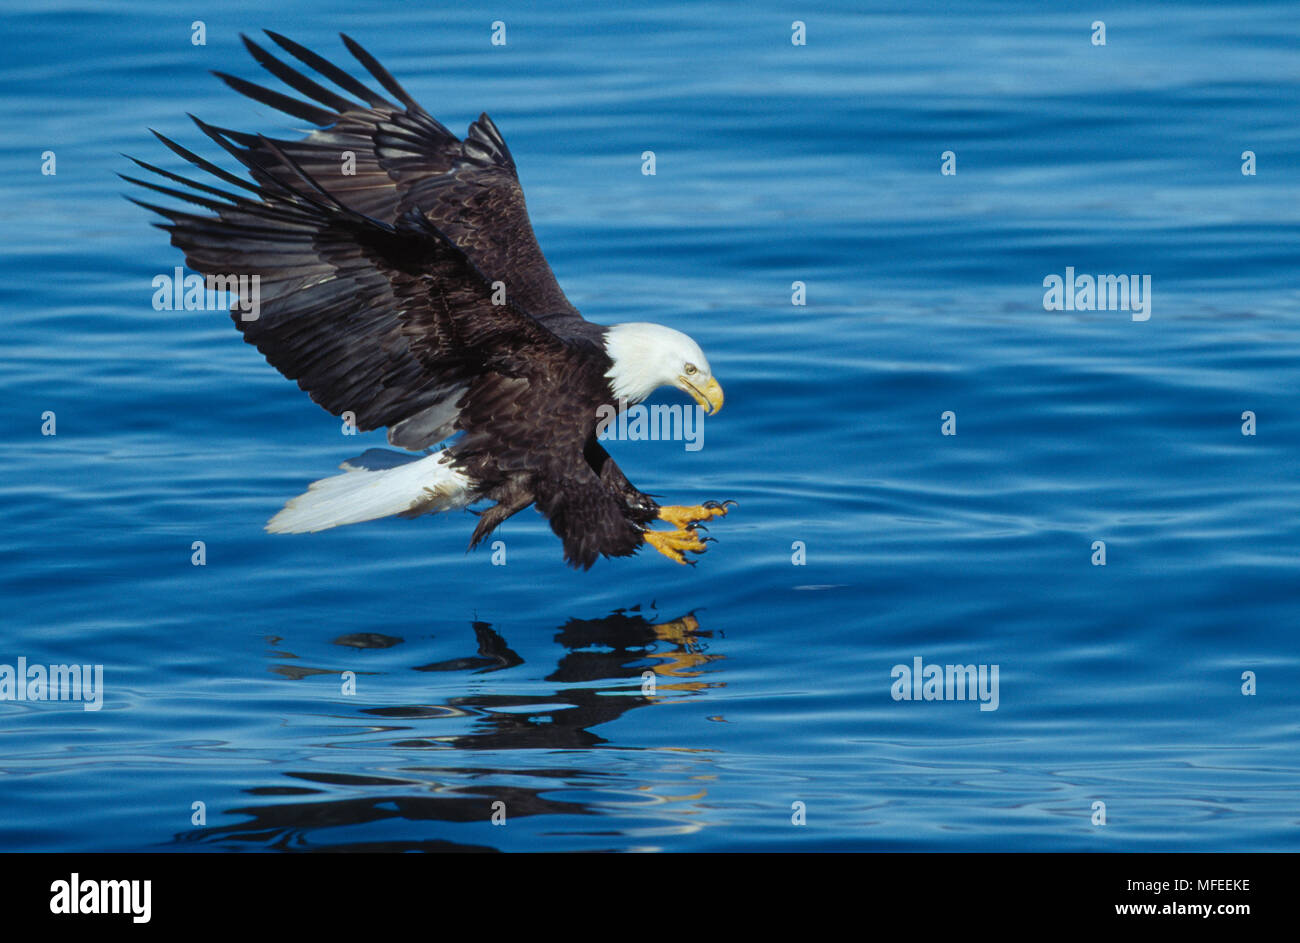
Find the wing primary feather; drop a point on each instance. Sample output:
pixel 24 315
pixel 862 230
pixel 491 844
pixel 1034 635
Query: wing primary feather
pixel 175 215
pixel 178 178
pixel 329 70
pixel 182 194
pixel 292 106
pixel 271 184
pixel 310 181
pixel 242 138
pixel 167 212
pixel 204 164
pixel 296 79
pixel 380 73
pixel 270 212
pixel 245 157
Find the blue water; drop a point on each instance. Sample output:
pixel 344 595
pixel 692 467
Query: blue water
pixel 522 684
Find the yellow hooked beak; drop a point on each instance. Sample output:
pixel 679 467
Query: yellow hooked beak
pixel 710 397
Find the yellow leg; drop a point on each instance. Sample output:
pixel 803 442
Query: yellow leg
pixel 683 517
pixel 675 544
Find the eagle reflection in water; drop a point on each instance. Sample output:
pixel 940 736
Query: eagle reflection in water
pixel 658 660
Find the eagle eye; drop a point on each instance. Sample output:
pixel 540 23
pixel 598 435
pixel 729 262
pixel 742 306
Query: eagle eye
pixel 691 369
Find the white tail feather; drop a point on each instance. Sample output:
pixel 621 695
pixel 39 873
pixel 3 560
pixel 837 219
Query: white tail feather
pixel 421 486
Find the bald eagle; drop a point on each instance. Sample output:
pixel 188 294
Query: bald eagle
pixel 400 284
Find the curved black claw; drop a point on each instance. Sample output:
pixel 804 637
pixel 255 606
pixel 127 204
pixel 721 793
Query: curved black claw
pixel 708 540
pixel 734 504
pixel 712 505
pixel 693 526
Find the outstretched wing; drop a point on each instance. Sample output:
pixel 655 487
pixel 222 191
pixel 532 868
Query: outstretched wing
pixel 401 158
pixel 374 318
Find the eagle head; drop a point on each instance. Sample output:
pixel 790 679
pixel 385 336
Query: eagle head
pixel 645 357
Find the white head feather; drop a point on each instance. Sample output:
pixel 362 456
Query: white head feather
pixel 648 356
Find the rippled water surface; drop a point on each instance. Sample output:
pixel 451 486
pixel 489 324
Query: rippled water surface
pixel 523 683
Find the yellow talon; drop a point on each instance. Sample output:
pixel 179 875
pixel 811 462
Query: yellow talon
pixel 683 517
pixel 675 544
